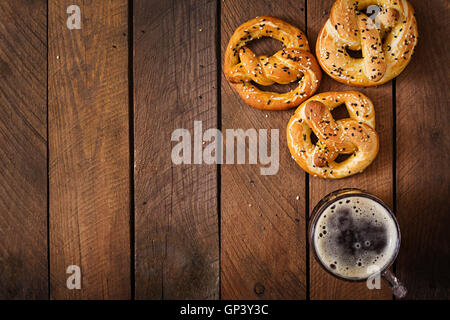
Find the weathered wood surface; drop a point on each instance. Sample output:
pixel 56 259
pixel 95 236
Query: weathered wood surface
pixel 23 150
pixel 263 223
pixel 89 150
pixel 200 231
pixel 175 80
pixel 423 155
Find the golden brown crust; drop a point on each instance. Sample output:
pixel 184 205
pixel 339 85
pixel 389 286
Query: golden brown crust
pixel 294 61
pixel 355 135
pixel 348 28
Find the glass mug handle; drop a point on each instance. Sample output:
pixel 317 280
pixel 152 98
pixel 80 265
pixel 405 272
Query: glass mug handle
pixel 398 289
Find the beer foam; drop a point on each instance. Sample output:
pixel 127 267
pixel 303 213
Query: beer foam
pixel 355 237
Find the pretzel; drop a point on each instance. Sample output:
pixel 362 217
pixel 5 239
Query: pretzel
pixel 386 50
pixel 294 61
pixel 355 136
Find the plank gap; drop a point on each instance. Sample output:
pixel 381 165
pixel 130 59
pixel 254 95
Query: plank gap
pixel 48 168
pixel 307 187
pixel 131 142
pixel 219 126
pixel 394 159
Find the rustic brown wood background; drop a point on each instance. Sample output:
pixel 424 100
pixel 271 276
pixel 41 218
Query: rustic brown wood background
pixel 86 118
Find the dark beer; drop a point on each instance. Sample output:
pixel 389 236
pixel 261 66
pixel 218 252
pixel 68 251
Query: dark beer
pixel 354 236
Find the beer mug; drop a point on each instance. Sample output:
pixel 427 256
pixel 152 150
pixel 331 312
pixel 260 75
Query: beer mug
pixel 355 236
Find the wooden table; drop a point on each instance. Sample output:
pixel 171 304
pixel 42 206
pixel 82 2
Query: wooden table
pixel 86 177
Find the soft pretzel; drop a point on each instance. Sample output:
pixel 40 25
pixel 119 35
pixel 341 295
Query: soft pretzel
pixel 294 61
pixel 386 50
pixel 355 135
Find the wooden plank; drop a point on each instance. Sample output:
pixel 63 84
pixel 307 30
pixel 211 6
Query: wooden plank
pixel 263 225
pixel 89 150
pixel 423 154
pixel 175 72
pixel 377 178
pixel 23 150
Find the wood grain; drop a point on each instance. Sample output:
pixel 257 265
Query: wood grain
pixel 185 248
pixel 263 225
pixel 89 150
pixel 377 178
pixel 423 154
pixel 23 150
pixel 175 72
